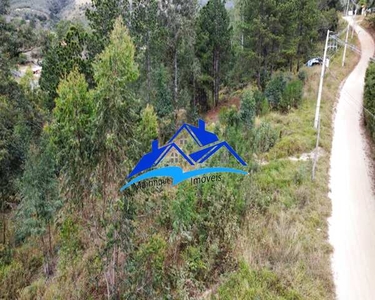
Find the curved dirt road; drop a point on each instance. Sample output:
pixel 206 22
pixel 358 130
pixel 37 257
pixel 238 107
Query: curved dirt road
pixel 352 225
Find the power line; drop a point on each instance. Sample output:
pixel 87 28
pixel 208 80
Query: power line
pixel 351 99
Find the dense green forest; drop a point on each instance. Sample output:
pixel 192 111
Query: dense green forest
pixel 133 72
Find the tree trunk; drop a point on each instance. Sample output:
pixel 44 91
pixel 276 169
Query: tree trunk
pixel 216 77
pixel 148 67
pixel 175 82
pixel 49 239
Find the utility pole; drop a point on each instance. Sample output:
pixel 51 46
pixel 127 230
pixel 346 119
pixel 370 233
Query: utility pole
pixel 316 121
pixel 346 44
pixel 353 23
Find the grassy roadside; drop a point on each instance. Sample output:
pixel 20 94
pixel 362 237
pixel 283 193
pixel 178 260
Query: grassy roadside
pixel 284 249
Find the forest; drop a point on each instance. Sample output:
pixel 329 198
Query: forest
pixel 132 72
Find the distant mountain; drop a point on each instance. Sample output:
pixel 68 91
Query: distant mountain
pixel 56 9
pixel 62 9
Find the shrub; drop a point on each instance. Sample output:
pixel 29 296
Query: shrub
pixel 302 75
pixel 369 100
pixel 275 89
pixel 248 109
pixel 255 284
pixel 371 20
pixel 229 116
pixel 292 95
pixel 22 59
pixel 260 101
pixel 265 138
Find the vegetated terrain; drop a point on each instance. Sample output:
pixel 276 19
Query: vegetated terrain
pixel 49 9
pixel 368 98
pixel 292 236
pixel 106 93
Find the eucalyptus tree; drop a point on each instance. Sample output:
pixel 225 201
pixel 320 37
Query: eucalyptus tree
pixel 40 199
pixel 71 133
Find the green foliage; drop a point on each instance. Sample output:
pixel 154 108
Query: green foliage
pixel 4 6
pixel 20 122
pixel 302 75
pixel 292 95
pixel 39 191
pixel 71 131
pixel 248 109
pixel 27 261
pixel 148 128
pixel 70 243
pixel 265 137
pixel 229 116
pixel 61 57
pixel 369 100
pixel 212 42
pixel 161 95
pixel 183 213
pixel 194 258
pixel 371 20
pixel 148 270
pixel 260 101
pixel 252 284
pixel 114 113
pixel 102 16
pixel 145 244
pixel 275 89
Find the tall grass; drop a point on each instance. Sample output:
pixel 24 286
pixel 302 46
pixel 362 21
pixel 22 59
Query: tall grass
pixel 288 240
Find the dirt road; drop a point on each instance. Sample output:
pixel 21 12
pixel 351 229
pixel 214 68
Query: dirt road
pixel 352 225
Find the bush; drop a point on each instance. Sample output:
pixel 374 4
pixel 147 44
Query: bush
pixel 248 109
pixel 371 21
pixel 292 95
pixel 275 89
pixel 260 101
pixel 265 138
pixel 369 100
pixel 302 75
pixel 255 284
pixel 229 116
pixel 22 59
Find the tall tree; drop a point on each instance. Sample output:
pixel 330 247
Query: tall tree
pixel 115 150
pixel 213 41
pixel 102 15
pixel 162 96
pixel 149 36
pixel 262 36
pixel 306 20
pixel 114 71
pixel 71 133
pixel 40 199
pixel 60 59
pixel 177 17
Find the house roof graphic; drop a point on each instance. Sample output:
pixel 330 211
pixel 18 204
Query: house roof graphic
pixel 156 155
pixel 202 155
pixel 200 135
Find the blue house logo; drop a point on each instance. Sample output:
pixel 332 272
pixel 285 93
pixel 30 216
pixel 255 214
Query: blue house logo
pixel 208 144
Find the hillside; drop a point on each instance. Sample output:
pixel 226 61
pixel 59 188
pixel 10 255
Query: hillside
pixel 167 153
pixel 56 9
